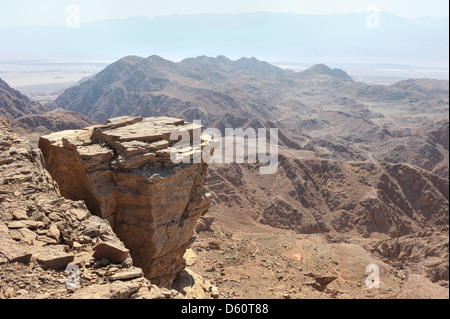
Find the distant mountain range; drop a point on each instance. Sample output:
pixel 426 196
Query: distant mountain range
pixel 320 109
pixel 267 36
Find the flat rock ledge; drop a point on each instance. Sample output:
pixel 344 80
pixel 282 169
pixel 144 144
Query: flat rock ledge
pixel 124 173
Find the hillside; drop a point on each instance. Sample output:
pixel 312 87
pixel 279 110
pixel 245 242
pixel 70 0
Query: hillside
pixel 13 104
pixel 31 119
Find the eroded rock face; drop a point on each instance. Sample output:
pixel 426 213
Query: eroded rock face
pixel 42 233
pixel 123 171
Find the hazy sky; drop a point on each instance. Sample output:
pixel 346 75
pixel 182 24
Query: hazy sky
pixel 53 12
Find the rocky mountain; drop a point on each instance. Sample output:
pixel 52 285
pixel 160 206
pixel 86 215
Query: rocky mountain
pixel 360 165
pixel 320 110
pixel 34 126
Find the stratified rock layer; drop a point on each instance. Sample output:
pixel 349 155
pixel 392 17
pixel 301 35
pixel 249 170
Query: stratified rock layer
pixel 124 173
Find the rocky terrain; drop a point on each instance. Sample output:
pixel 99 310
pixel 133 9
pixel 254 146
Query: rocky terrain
pixel 44 236
pixel 333 219
pixel 362 177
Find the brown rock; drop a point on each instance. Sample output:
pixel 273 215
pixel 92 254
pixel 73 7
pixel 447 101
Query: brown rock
pixel 127 274
pixel 54 232
pixel 11 251
pixel 31 224
pixel 124 173
pixel 110 251
pixel 53 257
pixel 20 214
pixel 116 290
pixel 24 242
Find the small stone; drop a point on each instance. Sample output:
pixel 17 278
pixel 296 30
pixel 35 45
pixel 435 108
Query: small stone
pixel 15 234
pixel 54 232
pixel 25 224
pixel 215 293
pixel 210 269
pixel 190 257
pixel 127 275
pixel 166 293
pixel 213 245
pixel 44 240
pixel 79 214
pixel 87 277
pixel 28 236
pixel 20 214
pixel 22 293
pixel 54 217
pixel 53 257
pixel 77 246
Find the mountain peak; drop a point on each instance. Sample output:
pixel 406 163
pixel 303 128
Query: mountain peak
pixel 326 70
pixel 255 65
pixel 131 59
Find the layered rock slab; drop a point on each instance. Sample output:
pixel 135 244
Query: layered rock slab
pixel 124 172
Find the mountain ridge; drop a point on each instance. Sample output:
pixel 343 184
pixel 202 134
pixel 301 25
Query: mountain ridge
pixel 319 109
pixel 13 104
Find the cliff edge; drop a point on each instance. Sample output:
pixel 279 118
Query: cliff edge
pixel 52 247
pixel 124 173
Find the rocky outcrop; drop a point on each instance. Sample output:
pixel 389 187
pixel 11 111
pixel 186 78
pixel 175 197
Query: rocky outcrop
pixel 124 173
pixel 42 234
